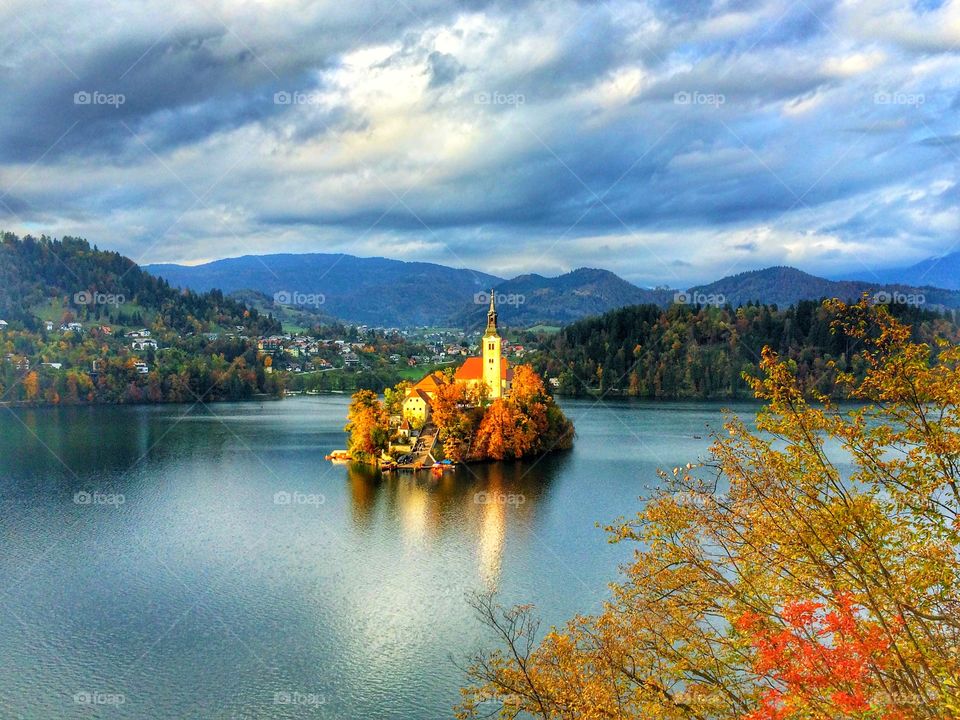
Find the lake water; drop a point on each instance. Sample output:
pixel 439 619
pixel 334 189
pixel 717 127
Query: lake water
pixel 207 562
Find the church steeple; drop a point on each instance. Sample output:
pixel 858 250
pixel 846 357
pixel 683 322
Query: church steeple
pixel 494 368
pixel 492 316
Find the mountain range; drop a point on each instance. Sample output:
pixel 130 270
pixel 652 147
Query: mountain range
pixel 374 291
pixel 942 271
pixel 381 291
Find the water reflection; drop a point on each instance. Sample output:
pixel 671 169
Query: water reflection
pixel 62 440
pixel 492 529
pixel 485 502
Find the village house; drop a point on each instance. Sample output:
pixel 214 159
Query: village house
pixel 18 361
pixel 416 406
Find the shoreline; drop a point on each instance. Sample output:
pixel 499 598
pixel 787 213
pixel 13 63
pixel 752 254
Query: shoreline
pixel 614 397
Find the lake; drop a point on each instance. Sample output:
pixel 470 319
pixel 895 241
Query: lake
pixel 207 562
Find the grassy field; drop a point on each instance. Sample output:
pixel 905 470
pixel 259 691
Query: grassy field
pixel 420 371
pixel 55 308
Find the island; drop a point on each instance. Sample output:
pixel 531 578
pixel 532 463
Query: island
pixel 484 410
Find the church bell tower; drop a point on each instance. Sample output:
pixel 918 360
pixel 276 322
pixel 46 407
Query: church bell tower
pixel 492 356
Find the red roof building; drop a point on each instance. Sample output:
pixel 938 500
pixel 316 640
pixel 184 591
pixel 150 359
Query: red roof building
pixel 472 370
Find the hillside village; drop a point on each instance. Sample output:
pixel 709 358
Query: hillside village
pixel 333 357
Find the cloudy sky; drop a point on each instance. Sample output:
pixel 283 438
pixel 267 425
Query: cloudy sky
pixel 671 141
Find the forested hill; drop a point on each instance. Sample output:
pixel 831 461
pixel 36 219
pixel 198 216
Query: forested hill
pixel 41 278
pixel 700 353
pixel 786 286
pixel 85 326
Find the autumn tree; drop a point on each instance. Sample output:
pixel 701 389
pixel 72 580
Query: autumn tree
pixel 31 385
pixel 547 425
pixel 452 415
pixel 527 387
pixel 770 583
pixel 504 432
pixel 394 397
pixel 368 425
pixel 479 394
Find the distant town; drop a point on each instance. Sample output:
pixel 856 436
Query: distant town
pixel 334 357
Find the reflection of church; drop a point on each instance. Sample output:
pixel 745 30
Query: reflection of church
pixel 424 513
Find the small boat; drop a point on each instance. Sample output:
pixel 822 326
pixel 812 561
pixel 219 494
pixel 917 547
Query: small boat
pixel 339 456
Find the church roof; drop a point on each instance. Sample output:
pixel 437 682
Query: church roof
pixel 414 392
pixel 472 369
pixel 430 384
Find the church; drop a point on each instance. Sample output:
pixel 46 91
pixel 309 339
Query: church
pixel 491 369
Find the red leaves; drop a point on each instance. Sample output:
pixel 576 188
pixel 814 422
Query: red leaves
pixel 817 658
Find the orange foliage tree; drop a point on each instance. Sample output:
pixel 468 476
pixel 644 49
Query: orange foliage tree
pixel 367 423
pixel 770 583
pixel 504 432
pixel 31 385
pixel 453 419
